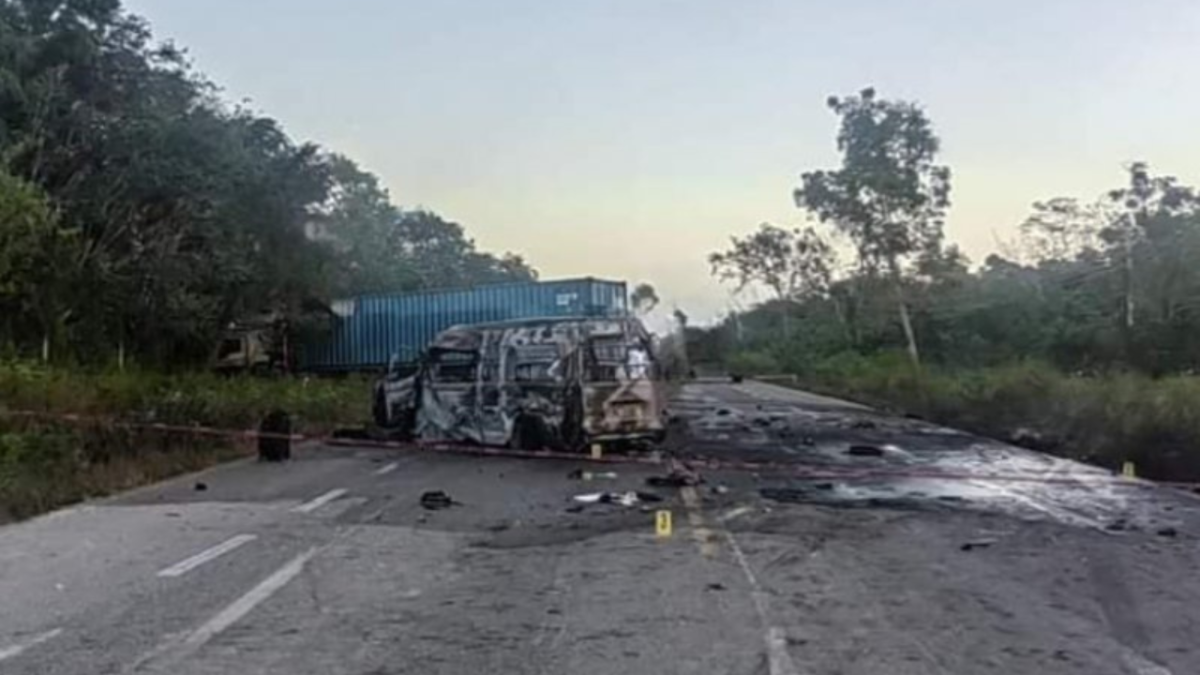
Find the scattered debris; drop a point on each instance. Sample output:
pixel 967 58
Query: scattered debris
pixel 865 451
pixel 1118 525
pixel 979 543
pixel 1167 532
pixel 716 587
pixel 808 440
pixel 575 508
pixel 435 500
pixel 863 424
pixel 580 474
pixel 630 498
pixel 201 487
pixel 736 379
pixel 720 489
pixel 675 479
pixel 723 412
pixel 823 486
pixel 498 527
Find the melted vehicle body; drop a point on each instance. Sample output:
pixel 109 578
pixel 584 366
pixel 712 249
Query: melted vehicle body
pixel 532 383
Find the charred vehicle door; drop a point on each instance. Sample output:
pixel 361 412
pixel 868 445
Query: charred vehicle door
pixel 448 409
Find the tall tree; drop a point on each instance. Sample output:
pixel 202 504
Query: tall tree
pixel 794 264
pixel 643 298
pixel 889 196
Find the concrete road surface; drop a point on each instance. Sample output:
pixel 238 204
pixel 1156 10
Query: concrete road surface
pixel 925 551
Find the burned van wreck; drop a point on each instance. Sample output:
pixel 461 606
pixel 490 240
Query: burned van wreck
pixel 535 383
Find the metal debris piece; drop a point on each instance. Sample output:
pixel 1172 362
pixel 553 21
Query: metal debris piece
pixel 435 500
pixel 864 451
pixel 979 543
pixel 1167 532
pixel 201 487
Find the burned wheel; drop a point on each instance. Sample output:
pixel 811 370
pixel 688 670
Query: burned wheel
pixel 379 410
pixel 529 433
pixel 572 437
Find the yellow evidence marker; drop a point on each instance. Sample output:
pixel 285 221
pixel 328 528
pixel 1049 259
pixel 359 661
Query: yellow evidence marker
pixel 1128 470
pixel 662 524
pixel 597 451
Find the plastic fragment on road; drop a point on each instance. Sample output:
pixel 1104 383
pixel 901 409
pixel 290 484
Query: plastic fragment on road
pixel 623 498
pixel 662 524
pixel 580 474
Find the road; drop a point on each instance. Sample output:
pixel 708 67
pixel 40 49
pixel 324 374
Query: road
pixel 916 559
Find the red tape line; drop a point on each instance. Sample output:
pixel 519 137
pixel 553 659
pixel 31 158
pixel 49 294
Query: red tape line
pixel 800 471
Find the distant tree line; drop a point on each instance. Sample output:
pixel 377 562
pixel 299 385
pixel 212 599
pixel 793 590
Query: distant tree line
pixel 139 213
pixel 1088 285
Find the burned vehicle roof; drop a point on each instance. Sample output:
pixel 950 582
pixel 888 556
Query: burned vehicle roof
pixel 470 337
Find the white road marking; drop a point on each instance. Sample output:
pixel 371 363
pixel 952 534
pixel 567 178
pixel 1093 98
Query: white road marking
pixel 313 505
pixel 779 662
pixel 387 468
pixel 17 650
pixel 184 566
pixel 243 605
pixel 734 513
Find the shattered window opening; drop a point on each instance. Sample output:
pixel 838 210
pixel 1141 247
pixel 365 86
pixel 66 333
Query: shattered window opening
pixel 454 366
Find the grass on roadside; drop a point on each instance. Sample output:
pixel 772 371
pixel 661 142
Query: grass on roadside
pixel 47 464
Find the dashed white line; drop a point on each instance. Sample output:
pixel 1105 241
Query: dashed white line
pixel 314 504
pixel 17 650
pixel 387 468
pixel 184 566
pixel 243 605
pixel 779 662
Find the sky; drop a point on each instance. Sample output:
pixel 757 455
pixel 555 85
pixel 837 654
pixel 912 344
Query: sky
pixel 629 139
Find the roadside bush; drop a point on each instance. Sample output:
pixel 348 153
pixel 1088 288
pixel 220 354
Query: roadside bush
pixel 753 363
pixel 1105 419
pixel 45 463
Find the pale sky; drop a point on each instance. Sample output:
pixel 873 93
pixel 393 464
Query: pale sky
pixel 630 138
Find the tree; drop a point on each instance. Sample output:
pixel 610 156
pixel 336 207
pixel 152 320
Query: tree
pixel 889 196
pixel 1062 228
pixel 794 264
pixel 643 298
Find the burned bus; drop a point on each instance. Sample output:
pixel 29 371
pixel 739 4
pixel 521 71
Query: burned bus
pixel 558 383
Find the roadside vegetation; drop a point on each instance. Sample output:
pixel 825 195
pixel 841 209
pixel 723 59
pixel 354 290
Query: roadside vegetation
pixel 141 214
pixel 47 462
pixel 1079 337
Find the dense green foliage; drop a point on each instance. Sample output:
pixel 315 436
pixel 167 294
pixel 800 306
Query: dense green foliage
pixel 1084 332
pixel 47 462
pixel 139 213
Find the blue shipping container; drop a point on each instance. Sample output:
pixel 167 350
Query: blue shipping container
pixel 369 329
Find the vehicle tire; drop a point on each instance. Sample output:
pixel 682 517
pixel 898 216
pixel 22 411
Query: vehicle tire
pixel 379 410
pixel 571 435
pixel 529 433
